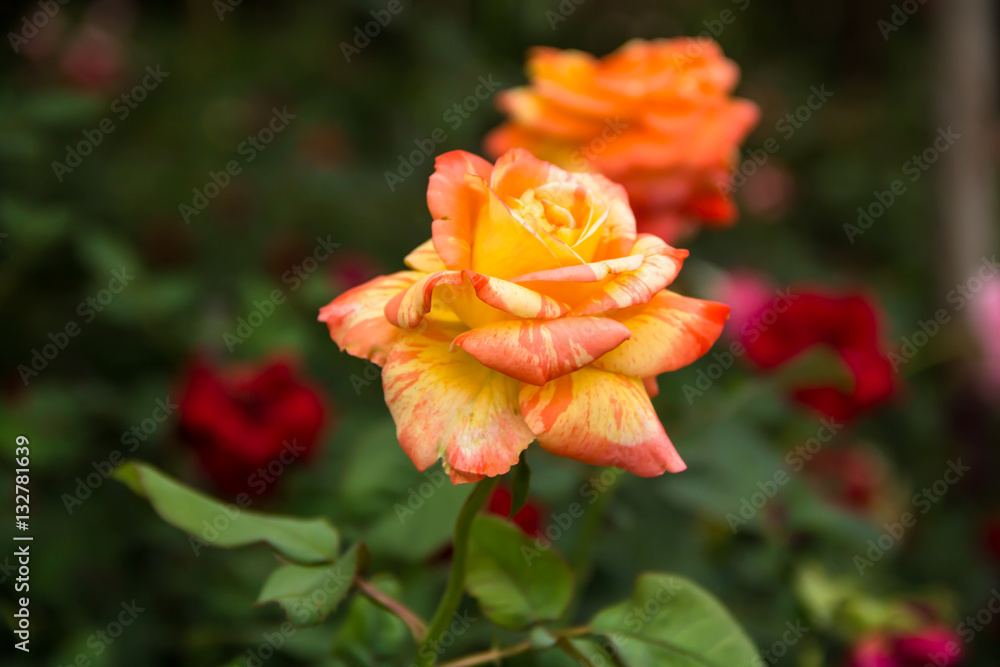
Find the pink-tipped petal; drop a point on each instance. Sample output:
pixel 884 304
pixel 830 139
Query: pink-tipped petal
pixel 454 197
pixel 660 266
pixel 600 418
pixel 477 299
pixel 669 332
pixel 448 405
pixel 536 351
pixel 356 318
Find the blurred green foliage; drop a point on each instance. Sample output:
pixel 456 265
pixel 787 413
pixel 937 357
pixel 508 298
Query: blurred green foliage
pixel 323 180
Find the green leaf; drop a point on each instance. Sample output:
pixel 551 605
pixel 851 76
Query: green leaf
pixel 369 634
pixel 407 514
pixel 541 638
pixel 62 108
pixel 588 652
pixel 310 593
pixel 520 484
pixel 211 522
pixel 515 583
pixel 33 225
pixel 672 622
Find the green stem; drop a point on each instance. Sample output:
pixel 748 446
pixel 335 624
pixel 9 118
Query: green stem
pixel 580 558
pixel 567 646
pixel 427 652
pixel 495 654
pixel 489 656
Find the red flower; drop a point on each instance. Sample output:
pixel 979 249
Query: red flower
pixel 784 326
pixel 247 426
pixel 529 519
pixel 930 646
pixel 872 652
pixel 938 646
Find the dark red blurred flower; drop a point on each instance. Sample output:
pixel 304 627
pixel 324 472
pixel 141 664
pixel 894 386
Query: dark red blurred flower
pixel 851 477
pixel 991 536
pixel 247 425
pixel 352 269
pixel 531 517
pixel 94 59
pixel 930 646
pixel 783 327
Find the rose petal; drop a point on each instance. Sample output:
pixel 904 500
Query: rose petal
pixel 356 318
pixel 600 418
pixel 669 332
pixel 425 258
pixel 661 265
pixel 536 351
pixel 454 201
pixel 448 405
pixel 477 299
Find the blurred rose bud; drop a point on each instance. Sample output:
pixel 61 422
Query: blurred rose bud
pixel 93 59
pixel 529 519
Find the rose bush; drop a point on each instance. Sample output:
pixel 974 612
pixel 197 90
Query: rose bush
pixel 656 116
pixel 535 312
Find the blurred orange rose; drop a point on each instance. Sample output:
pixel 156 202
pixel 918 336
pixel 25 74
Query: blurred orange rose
pixel 656 116
pixel 535 311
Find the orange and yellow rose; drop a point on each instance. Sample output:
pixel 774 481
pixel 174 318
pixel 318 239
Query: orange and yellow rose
pixel 656 116
pixel 534 312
